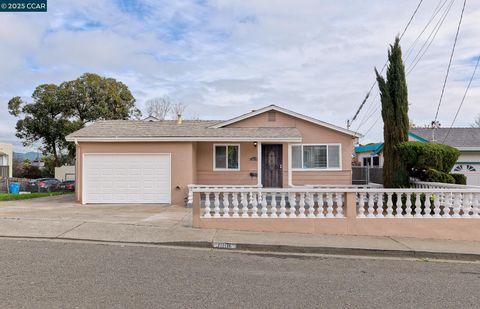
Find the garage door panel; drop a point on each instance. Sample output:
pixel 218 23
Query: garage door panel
pixel 122 178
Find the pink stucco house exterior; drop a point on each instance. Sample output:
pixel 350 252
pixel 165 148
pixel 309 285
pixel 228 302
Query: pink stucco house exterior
pixel 135 161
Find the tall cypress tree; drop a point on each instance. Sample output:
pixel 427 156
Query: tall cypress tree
pixel 394 97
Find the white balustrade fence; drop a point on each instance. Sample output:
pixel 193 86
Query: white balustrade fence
pixel 304 202
pixel 419 203
pixel 271 203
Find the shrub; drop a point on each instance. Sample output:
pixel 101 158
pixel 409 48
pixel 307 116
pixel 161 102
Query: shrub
pixel 419 156
pixel 432 175
pixel 460 179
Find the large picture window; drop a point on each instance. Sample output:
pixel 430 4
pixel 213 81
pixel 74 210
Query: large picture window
pixel 226 157
pixel 316 157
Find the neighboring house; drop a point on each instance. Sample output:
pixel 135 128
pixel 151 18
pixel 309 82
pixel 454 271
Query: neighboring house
pixel 370 155
pixel 150 118
pixel 65 172
pixel 6 160
pixel 466 140
pixel 38 163
pixel 132 161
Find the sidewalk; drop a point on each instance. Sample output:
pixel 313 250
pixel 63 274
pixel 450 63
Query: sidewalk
pixel 159 225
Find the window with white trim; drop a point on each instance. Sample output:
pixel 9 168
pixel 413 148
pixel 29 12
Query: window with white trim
pixel 226 157
pixel 316 157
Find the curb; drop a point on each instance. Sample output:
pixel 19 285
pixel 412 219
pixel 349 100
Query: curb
pixel 284 249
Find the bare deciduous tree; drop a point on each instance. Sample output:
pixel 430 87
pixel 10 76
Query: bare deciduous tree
pixel 476 124
pixel 178 109
pixel 159 107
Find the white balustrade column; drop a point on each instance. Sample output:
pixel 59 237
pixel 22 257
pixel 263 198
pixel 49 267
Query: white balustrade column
pixel 273 206
pixel 418 206
pixel 293 203
pixel 282 206
pixel 339 200
pixel 301 206
pixel 207 214
pixel 361 205
pixel 466 205
pixel 311 205
pixel 226 205
pixel 428 204
pixel 408 204
pixel 371 203
pixel 235 205
pixel 320 209
pixel 390 207
pixel 244 200
pixel 457 204
pixel 437 203
pixel 447 204
pixel 264 206
pixel 254 205
pixel 216 203
pixel 330 206
pixel 476 205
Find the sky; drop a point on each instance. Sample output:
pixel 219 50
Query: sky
pixel 225 58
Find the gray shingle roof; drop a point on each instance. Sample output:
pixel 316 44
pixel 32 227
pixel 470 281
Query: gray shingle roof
pixel 458 137
pixel 169 128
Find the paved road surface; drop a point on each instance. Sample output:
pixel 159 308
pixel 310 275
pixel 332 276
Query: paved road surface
pixel 43 274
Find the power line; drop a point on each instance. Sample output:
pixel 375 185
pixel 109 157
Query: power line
pixel 448 67
pixel 463 99
pixel 435 13
pixel 375 82
pixel 421 52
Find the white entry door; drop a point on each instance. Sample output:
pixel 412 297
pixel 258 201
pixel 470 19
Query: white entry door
pixel 126 178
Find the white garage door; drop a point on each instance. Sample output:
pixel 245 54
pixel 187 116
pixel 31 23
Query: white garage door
pixel 126 178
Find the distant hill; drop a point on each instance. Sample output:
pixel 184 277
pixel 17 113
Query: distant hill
pixel 31 155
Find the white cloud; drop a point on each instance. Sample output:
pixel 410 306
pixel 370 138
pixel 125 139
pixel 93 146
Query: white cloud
pixel 223 58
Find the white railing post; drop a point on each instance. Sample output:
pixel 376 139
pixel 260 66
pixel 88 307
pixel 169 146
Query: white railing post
pixel 371 203
pixel 282 205
pixel 436 203
pixel 273 206
pixel 264 206
pixel 321 209
pixel 379 205
pixel 216 203
pixel 226 205
pixel 476 205
pixel 244 201
pixel 418 206
pixel 330 206
pixel 207 205
pixel 457 204
pixel 235 205
pixel 390 207
pixel 301 206
pixel 340 203
pixel 254 205
pixel 361 205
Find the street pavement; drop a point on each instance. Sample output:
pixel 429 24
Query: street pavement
pixel 60 217
pixel 59 274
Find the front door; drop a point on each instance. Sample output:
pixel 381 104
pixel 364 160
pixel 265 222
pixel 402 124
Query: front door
pixel 272 166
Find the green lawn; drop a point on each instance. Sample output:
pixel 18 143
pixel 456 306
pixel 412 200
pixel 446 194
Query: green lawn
pixel 14 197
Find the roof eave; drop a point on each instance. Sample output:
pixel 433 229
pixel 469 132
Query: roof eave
pixel 183 139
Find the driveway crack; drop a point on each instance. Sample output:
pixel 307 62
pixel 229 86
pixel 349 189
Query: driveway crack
pixel 69 230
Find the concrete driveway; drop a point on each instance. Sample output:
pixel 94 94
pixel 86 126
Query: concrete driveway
pixel 64 208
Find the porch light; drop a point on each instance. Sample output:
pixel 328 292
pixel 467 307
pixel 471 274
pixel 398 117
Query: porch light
pixel 254 144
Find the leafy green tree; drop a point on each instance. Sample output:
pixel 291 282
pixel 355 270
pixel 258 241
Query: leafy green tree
pixel 92 97
pixel 394 97
pixel 43 120
pixel 57 111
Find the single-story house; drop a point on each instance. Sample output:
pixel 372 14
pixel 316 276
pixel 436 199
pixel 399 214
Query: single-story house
pixel 6 160
pixel 466 140
pixel 370 155
pixel 135 161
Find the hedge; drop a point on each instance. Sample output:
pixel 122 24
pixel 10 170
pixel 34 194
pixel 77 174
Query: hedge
pixel 460 179
pixel 422 156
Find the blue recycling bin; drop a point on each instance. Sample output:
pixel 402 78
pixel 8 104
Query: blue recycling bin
pixel 14 187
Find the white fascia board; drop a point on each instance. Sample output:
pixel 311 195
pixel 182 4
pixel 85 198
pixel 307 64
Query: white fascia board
pixel 183 139
pixel 288 112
